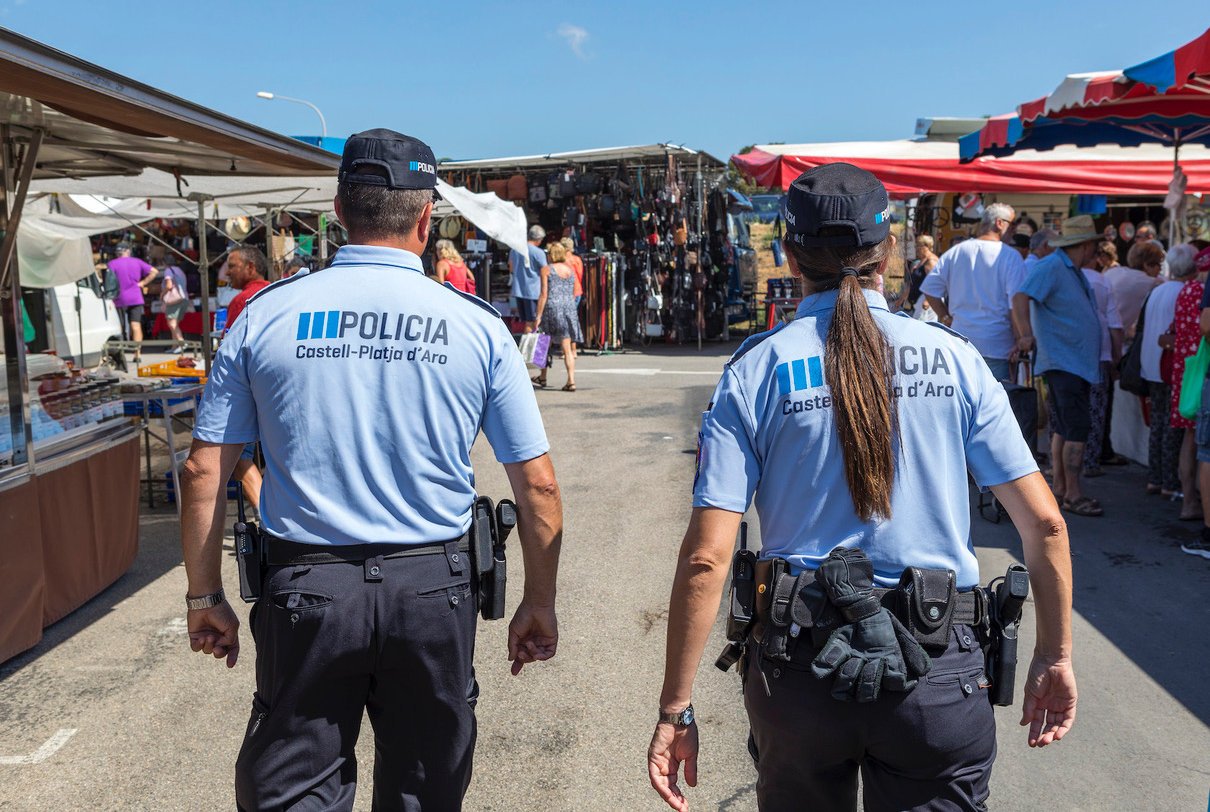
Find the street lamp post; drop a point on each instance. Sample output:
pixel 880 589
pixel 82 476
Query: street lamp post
pixel 323 125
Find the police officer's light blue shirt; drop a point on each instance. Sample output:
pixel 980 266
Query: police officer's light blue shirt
pixel 1064 318
pixel 527 282
pixel 367 384
pixel 771 431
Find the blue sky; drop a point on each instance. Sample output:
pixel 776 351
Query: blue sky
pixel 480 79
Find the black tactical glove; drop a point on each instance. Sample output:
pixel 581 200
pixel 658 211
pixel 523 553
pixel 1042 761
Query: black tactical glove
pixel 872 650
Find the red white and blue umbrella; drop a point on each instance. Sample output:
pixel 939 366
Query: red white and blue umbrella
pixel 1164 100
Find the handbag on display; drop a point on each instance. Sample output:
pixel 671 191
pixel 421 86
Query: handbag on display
pixel 567 185
pixel 518 188
pixel 499 188
pixel 537 193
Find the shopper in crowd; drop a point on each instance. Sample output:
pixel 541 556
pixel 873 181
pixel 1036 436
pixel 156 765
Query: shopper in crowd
pixel 1201 545
pixel 1039 246
pixel 910 299
pixel 1056 313
pixel 134 275
pixel 174 297
pixel 1134 281
pixel 1021 243
pixel 577 265
pixel 1156 368
pixel 248 271
pixel 1111 350
pixel 1145 233
pixel 1186 335
pixel 1105 261
pixel 557 312
pixel 973 285
pixel 452 268
pixel 527 282
pixel 296 266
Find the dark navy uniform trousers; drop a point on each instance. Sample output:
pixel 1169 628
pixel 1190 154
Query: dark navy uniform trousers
pixel 392 636
pixel 929 749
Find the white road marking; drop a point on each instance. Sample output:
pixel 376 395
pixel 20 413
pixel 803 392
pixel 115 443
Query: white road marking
pixel 48 749
pixel 647 371
pixel 636 371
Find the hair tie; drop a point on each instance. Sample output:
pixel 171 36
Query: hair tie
pixel 853 272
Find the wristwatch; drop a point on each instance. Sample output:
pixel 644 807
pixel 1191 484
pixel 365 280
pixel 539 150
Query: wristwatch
pixel 682 719
pixel 205 601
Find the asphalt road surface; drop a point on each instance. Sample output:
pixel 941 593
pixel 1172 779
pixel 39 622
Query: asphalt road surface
pixel 113 711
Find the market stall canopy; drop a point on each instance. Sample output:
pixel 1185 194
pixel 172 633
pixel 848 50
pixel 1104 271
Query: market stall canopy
pixel 909 168
pixel 1165 100
pixel 97 122
pixel 645 154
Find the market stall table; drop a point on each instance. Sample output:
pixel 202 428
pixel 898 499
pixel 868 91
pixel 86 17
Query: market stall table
pixel 173 401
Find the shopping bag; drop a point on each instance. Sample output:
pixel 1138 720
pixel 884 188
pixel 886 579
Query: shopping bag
pixel 1191 383
pixel 541 350
pixel 535 347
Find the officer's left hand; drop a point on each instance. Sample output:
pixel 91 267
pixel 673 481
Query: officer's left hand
pixel 670 746
pixel 215 631
pixel 533 635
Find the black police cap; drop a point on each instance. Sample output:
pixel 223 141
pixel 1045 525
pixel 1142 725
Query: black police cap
pixel 849 203
pixel 399 161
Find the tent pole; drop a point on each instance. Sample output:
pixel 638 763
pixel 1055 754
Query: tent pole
pixel 11 325
pixel 203 264
pixel 1176 166
pixel 323 240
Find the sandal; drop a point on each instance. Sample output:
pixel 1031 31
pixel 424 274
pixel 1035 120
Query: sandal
pixel 539 381
pixel 1116 459
pixel 569 387
pixel 1084 506
pixel 1153 490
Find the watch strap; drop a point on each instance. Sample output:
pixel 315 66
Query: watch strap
pixel 682 718
pixel 205 601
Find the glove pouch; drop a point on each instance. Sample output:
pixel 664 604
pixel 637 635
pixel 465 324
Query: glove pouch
pixel 930 598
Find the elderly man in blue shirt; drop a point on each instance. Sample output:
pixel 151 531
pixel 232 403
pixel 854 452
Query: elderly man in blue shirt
pixel 527 279
pixel 1055 311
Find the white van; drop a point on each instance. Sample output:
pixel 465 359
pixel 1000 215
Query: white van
pixel 81 321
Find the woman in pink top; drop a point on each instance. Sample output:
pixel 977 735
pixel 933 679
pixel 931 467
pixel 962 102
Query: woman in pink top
pixel 577 267
pixel 451 268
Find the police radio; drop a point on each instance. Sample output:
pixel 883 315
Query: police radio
pixel 247 551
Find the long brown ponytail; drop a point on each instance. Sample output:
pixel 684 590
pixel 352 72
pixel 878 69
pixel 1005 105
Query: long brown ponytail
pixel 859 369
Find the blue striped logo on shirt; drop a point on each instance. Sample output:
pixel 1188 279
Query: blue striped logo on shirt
pixel 319 324
pixel 805 373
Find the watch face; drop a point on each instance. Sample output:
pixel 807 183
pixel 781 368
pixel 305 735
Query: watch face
pixel 687 715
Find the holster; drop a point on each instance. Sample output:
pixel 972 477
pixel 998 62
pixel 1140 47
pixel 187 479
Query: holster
pixel 487 557
pixel 928 598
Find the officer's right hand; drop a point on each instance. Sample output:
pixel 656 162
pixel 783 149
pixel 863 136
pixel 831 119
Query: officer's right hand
pixel 215 631
pixel 671 746
pixel 533 635
pixel 1050 700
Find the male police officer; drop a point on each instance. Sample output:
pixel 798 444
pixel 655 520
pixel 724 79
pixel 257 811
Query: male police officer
pixel 366 385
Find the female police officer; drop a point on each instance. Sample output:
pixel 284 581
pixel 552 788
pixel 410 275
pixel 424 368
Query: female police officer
pixel 855 430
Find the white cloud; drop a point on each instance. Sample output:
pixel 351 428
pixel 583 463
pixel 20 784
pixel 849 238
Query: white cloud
pixel 575 37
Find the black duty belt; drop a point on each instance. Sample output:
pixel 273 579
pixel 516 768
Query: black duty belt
pixel 280 552
pixel 969 607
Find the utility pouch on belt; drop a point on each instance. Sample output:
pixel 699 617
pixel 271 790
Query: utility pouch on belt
pixel 929 596
pixel 1007 601
pixel 249 552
